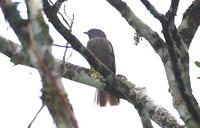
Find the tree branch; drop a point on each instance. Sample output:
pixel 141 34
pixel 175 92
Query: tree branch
pixel 114 83
pixel 36 42
pixel 144 30
pixel 174 55
pixel 179 82
pixel 170 15
pixel 179 59
pixel 122 88
pixel 152 10
pixel 190 22
pixel 83 75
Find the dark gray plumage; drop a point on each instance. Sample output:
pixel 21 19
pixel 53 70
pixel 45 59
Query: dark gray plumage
pixel 103 50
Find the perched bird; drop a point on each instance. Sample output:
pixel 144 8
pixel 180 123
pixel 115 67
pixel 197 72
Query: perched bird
pixel 103 50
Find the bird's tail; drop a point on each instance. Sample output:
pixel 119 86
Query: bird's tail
pixel 102 98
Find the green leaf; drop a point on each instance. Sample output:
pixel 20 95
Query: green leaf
pixel 197 63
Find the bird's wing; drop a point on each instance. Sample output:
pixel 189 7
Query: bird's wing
pixel 113 56
pixel 103 50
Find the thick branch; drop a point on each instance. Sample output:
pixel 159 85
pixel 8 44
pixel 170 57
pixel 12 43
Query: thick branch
pixel 114 86
pixel 18 24
pixel 170 15
pixel 180 80
pixel 75 43
pixel 153 11
pixel 36 43
pixel 190 22
pixel 145 31
pixel 179 59
pixel 79 74
pixel 174 57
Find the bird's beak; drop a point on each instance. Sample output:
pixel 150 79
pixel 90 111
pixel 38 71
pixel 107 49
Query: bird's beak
pixel 85 33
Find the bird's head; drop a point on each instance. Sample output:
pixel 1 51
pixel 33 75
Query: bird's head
pixel 92 33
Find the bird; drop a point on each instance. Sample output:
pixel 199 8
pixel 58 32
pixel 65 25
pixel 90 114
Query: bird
pixel 103 50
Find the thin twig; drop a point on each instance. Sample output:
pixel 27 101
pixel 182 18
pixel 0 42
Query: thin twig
pixel 69 56
pixel 62 46
pixel 65 12
pixel 63 62
pixel 71 20
pixel 34 118
pixel 56 6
